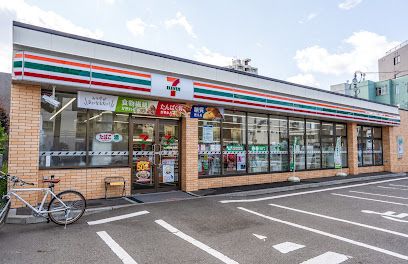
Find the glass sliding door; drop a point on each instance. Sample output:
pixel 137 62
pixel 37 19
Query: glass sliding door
pixel 155 147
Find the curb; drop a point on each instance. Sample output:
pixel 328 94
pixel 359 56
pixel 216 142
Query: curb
pixel 310 185
pixel 29 219
pixel 13 218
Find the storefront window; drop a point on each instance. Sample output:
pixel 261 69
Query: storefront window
pixel 341 131
pixel 297 143
pixel 369 146
pixel 313 144
pixel 62 133
pixel 234 142
pixel 209 148
pixel 328 145
pixel 108 138
pixel 279 143
pixel 257 143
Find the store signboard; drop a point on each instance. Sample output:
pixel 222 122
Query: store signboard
pixel 207 112
pixel 97 101
pixel 172 87
pixel 122 104
pixel 167 109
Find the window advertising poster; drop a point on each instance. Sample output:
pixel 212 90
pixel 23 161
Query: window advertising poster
pixel 400 147
pixel 207 112
pixel 143 174
pixel 241 161
pixel 208 134
pixel 168 170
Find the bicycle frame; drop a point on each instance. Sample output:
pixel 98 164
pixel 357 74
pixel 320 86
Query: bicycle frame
pixel 40 211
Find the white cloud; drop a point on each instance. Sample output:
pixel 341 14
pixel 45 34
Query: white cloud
pixel 366 49
pixel 5 55
pixel 305 79
pixel 32 14
pixel 136 26
pixel 309 17
pixel 181 20
pixel 349 4
pixel 205 55
pixel 110 2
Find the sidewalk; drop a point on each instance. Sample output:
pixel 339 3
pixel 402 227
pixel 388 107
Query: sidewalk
pixel 275 187
pixel 24 216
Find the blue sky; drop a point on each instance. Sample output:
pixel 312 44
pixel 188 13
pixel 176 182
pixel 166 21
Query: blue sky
pixel 315 42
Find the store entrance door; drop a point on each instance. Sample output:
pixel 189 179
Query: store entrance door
pixel 155 162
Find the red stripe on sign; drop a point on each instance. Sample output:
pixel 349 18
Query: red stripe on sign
pixel 142 89
pixel 213 99
pixel 52 77
pixel 19 73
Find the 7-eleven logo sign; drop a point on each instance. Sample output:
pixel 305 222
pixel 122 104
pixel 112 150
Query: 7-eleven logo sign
pixel 173 85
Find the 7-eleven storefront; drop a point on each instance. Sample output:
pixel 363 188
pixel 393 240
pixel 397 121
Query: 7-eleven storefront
pixel 164 123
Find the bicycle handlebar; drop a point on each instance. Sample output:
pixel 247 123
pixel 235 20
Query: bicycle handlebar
pixel 14 179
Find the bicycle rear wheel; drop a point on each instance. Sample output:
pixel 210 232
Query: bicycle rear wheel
pixel 74 208
pixel 4 209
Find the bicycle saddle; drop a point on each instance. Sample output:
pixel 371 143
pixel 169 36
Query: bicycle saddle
pixel 52 181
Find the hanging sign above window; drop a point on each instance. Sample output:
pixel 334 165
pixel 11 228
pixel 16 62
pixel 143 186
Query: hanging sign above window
pixel 207 112
pixel 122 104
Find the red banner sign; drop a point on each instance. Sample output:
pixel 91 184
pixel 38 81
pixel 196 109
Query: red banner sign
pixel 166 109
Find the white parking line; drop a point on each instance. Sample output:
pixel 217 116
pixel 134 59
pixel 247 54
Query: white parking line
pixel 308 192
pixel 118 250
pixel 195 242
pixel 287 247
pixel 342 220
pixel 392 188
pixel 369 199
pixel 350 241
pixel 383 195
pixel 116 218
pixel 327 258
pixel 399 185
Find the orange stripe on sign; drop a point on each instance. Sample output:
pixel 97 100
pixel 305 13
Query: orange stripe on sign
pixel 77 64
pixel 214 86
pixel 171 79
pixel 96 67
pixel 18 55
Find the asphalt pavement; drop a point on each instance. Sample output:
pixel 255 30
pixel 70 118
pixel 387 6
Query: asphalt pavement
pixel 351 223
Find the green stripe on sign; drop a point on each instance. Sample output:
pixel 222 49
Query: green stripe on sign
pixel 18 64
pixel 249 98
pixel 276 102
pixel 205 91
pixel 120 78
pixel 51 68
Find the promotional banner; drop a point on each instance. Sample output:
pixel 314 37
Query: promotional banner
pixel 143 174
pixel 207 112
pixel 168 170
pixel 123 104
pixel 337 154
pixel 292 164
pixel 208 134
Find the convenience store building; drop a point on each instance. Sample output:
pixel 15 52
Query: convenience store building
pixel 85 109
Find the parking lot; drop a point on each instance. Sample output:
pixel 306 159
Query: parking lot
pixel 353 223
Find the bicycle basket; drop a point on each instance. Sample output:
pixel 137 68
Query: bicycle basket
pixel 4 209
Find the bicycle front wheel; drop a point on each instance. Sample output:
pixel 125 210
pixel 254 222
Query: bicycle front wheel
pixel 67 207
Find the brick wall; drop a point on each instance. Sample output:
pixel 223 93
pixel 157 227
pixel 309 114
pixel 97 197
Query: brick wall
pixel 90 182
pixel 391 160
pixel 189 154
pixel 24 135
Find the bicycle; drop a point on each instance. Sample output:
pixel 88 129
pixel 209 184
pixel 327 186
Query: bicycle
pixel 64 208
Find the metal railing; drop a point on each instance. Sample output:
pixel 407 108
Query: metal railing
pixel 397 47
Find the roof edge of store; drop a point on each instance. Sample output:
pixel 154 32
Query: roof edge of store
pixel 174 58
